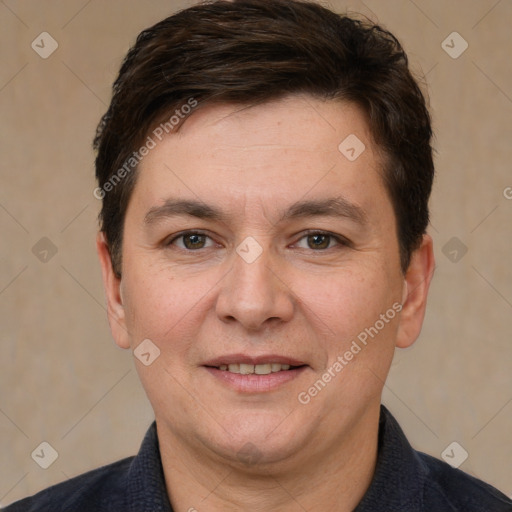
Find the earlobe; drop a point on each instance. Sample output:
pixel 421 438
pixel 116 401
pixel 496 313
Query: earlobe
pixel 416 286
pixel 112 287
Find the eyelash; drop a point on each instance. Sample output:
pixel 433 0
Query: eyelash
pixel 341 241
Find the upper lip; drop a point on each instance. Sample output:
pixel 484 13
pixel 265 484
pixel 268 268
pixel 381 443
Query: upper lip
pixel 248 359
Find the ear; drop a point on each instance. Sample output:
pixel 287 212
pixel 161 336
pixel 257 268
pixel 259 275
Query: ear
pixel 416 286
pixel 112 287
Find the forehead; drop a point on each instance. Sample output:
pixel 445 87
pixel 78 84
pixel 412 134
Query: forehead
pixel 277 152
pixel 294 124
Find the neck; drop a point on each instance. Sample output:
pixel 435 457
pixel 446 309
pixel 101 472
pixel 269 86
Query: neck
pixel 335 479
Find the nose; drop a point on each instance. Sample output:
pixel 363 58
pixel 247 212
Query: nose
pixel 254 294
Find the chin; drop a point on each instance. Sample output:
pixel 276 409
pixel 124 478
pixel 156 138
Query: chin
pixel 257 438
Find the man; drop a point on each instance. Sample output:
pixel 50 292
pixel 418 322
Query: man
pixel 265 168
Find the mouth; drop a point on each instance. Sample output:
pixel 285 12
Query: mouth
pixel 258 369
pixel 255 374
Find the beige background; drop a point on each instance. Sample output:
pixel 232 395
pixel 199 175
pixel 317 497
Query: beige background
pixel 62 379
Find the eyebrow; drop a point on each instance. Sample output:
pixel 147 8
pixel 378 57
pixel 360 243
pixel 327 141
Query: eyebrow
pixel 192 208
pixel 330 207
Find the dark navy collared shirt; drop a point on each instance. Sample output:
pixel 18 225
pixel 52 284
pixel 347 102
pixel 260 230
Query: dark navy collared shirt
pixel 404 481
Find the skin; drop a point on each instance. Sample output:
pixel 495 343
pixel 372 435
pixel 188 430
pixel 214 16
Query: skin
pixel 203 300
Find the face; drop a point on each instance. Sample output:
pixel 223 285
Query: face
pixel 264 264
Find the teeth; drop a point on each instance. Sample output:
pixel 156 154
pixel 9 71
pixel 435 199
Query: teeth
pixel 258 369
pixel 246 369
pixel 234 368
pixel 262 369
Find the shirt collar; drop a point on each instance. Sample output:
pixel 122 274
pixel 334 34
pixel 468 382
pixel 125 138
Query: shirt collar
pixel 146 488
pixel 399 475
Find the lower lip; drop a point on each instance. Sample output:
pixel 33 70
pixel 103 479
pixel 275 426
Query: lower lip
pixel 255 383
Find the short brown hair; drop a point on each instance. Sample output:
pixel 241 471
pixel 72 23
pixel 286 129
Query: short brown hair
pixel 252 51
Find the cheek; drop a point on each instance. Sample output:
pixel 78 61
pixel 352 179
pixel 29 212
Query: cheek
pixel 347 301
pixel 354 315
pixel 156 304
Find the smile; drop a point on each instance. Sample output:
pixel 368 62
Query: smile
pixel 258 369
pixel 245 374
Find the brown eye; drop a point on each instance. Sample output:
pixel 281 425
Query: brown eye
pixel 191 241
pixel 194 241
pixel 319 241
